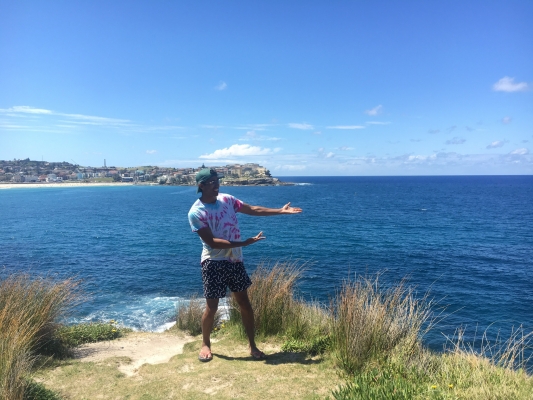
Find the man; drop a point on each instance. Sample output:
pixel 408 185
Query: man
pixel 213 217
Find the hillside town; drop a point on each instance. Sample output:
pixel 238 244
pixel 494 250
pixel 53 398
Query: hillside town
pixel 31 171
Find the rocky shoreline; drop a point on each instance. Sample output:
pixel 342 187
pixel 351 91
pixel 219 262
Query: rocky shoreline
pixel 254 182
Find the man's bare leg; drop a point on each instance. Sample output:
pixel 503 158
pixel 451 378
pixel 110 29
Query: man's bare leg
pixel 208 319
pixel 247 314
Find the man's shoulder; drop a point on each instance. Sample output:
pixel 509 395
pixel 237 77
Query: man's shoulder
pixel 197 205
pixel 224 197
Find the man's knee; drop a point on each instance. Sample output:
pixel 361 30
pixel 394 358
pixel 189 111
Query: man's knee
pixel 211 307
pixel 242 299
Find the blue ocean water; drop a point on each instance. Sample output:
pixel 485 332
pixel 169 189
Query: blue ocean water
pixel 467 239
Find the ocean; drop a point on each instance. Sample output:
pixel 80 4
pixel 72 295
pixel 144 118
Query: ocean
pixel 468 240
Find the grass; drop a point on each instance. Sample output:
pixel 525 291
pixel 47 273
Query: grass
pixel 30 309
pixel 231 374
pixel 365 345
pixel 276 310
pixel 370 324
pixel 189 316
pixel 76 335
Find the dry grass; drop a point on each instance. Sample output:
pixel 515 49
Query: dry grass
pixel 369 324
pixel 29 312
pixel 372 333
pixel 272 298
pixel 514 352
pixel 189 315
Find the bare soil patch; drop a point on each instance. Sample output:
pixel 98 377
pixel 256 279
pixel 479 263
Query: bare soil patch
pixel 137 347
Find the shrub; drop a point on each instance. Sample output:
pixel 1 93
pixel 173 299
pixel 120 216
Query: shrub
pixel 30 309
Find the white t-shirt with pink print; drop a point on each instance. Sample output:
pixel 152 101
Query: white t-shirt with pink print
pixel 222 219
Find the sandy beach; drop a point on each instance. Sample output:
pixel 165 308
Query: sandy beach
pixel 59 185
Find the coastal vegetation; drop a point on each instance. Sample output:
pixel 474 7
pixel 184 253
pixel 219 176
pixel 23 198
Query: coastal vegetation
pixel 366 344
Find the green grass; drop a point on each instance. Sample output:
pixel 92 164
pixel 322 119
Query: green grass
pixel 76 335
pixel 37 391
pixel 369 335
pixel 30 310
pixel 375 337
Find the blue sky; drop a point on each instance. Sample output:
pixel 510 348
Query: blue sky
pixel 301 87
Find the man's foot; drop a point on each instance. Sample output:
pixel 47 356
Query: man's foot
pixel 257 354
pixel 205 354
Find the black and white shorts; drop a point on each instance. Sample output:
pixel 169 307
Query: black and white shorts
pixel 220 274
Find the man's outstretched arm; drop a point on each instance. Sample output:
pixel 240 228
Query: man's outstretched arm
pixel 259 211
pixel 216 243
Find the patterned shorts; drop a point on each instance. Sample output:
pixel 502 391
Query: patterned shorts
pixel 220 274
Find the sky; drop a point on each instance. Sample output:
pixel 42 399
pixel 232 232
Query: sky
pixel 304 88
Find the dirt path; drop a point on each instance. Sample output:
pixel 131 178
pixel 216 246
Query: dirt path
pixel 140 347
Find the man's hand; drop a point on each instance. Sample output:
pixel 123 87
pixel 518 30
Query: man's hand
pixel 287 209
pixel 254 239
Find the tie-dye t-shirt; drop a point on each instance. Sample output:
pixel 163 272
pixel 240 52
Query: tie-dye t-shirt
pixel 222 219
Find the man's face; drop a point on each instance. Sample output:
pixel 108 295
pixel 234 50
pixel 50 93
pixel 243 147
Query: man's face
pixel 210 187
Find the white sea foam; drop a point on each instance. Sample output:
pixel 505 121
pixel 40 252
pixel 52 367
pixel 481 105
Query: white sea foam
pixel 143 313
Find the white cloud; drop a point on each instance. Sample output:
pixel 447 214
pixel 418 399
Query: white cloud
pixel 254 127
pixel 238 150
pixel 345 127
pixel 412 158
pixel 456 140
pixel 72 118
pixel 330 155
pixel 95 120
pixel 303 126
pixel 26 109
pixel 521 152
pixel 221 86
pixel 345 148
pixel 496 144
pixel 506 120
pixel 253 135
pixel 507 84
pixel 375 111
pixel 317 133
pixel 434 131
pixel 211 126
pixel 377 123
pixel 290 167
pixel 151 151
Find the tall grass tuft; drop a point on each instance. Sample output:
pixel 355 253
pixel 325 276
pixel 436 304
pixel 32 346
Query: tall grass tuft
pixel 514 352
pixel 305 326
pixel 30 309
pixel 369 323
pixel 189 316
pixel 272 299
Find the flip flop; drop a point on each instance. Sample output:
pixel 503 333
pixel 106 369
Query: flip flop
pixel 204 359
pixel 258 355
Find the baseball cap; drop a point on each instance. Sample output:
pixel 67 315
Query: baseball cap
pixel 204 175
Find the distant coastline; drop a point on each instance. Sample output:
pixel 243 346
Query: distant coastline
pixel 66 184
